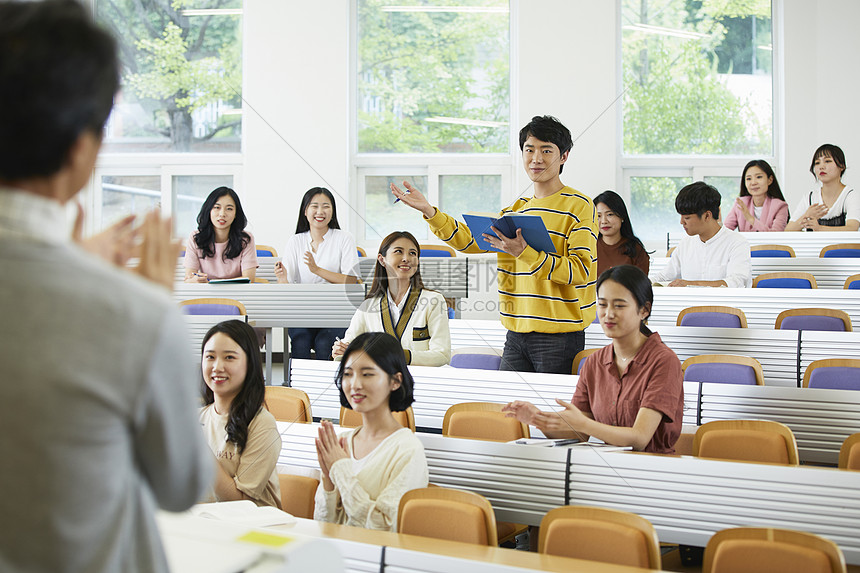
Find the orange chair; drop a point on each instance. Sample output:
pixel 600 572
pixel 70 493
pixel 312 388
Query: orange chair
pixel 452 514
pixel 482 421
pixel 769 550
pixel 297 494
pixel 747 441
pixel 580 357
pixel 349 418
pixel 849 454
pixel 288 404
pixel 599 534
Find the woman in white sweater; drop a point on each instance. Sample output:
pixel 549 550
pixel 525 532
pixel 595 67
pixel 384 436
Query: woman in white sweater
pixel 398 304
pixel 367 470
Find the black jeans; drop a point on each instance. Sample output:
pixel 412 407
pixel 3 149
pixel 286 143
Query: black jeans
pixel 541 352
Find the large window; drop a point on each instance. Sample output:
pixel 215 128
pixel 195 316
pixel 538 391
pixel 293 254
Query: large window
pixel 432 106
pixel 698 103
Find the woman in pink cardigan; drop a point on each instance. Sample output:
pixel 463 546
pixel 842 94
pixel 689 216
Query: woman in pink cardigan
pixel 761 206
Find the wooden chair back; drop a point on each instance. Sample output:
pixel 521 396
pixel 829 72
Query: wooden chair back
pixel 266 251
pixel 599 534
pixel 842 250
pixel 717 310
pixel 831 318
pixel 741 361
pixel 213 306
pixel 754 549
pixel 785 279
pixel 845 374
pixel 849 454
pixel 437 251
pixel 777 248
pixel 746 441
pixel 482 421
pixel 297 494
pixel 288 404
pixel 452 514
pixel 580 357
pixel 852 282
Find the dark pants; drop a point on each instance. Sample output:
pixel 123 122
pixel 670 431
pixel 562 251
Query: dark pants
pixel 302 340
pixel 541 352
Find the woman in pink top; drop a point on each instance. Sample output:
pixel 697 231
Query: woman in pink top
pixel 761 206
pixel 220 248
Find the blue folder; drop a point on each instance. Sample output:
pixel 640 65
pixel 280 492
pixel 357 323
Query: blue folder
pixel 533 229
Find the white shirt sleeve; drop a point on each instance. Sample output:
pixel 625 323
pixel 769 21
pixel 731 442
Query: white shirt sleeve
pixel 739 267
pixel 671 270
pixel 852 205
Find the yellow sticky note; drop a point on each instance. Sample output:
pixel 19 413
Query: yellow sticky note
pixel 267 539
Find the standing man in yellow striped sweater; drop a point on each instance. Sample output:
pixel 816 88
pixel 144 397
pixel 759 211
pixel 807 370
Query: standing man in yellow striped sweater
pixel 545 299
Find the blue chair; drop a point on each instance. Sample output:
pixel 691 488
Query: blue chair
pixel 833 373
pixel 828 319
pixel 771 251
pixel 712 316
pixel 361 252
pixel 787 279
pixel 476 361
pixel 212 306
pixel 852 282
pixel 266 251
pixel 437 251
pixel 580 357
pixel 723 369
pixel 842 250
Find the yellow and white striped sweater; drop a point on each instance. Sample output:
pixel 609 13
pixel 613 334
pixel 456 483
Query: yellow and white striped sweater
pixel 538 291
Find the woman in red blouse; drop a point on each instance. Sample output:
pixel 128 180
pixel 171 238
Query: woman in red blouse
pixel 629 393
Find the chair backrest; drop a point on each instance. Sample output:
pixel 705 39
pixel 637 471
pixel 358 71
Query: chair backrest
pixel 479 361
pixel 580 357
pixel 771 251
pixel 437 251
pixel 723 368
pixel 746 441
pixel 785 279
pixel 849 453
pixel 599 534
pixel 212 306
pixel 814 319
pixel 670 251
pixel 266 251
pixel 482 421
pixel 754 549
pixel 833 373
pixel 361 252
pixel 452 514
pixel 713 316
pixel 852 282
pixel 842 250
pixel 288 404
pixel 349 418
pixel 297 494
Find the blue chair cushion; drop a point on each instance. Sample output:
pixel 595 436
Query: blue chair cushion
pixel 476 361
pixel 812 322
pixel 425 252
pixel 713 319
pixel 211 309
pixel 843 254
pixel 720 372
pixel 770 253
pixel 854 285
pixel 264 253
pixel 784 283
pixel 835 378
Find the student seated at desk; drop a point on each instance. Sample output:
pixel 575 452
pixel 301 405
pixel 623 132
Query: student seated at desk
pixel 398 304
pixel 220 248
pixel 832 207
pixel 629 393
pixel 761 206
pixel 319 253
pixel 367 470
pixel 238 428
pixel 710 255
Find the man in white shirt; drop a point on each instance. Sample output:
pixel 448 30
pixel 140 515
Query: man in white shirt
pixel 710 255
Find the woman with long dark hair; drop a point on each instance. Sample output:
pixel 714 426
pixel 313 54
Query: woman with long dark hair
pixel 240 431
pixel 319 253
pixel 367 470
pixel 616 242
pixel 220 248
pixel 761 206
pixel 629 393
pixel 398 304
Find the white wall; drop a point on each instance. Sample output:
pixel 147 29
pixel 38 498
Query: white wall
pixel 297 81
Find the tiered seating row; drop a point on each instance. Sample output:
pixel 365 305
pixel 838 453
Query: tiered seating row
pixel 687 499
pixel 804 244
pixel 820 419
pixel 828 273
